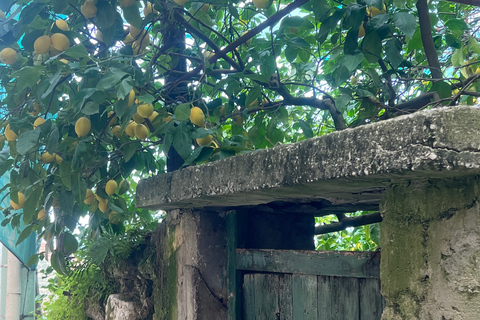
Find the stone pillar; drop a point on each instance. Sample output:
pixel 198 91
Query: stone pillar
pixel 430 240
pixel 191 264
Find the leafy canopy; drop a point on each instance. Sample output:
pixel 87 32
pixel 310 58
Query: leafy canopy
pixel 259 76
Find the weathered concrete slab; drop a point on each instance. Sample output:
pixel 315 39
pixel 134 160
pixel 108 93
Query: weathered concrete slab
pixel 351 166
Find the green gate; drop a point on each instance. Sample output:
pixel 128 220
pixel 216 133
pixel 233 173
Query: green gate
pixel 300 285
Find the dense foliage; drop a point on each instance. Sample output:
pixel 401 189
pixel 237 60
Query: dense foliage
pixel 95 92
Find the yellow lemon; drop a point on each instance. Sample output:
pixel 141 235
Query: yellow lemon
pixel 8 56
pixel 130 129
pixel 42 45
pixel 10 135
pixel 128 40
pixel 135 32
pixel 138 118
pixel 60 41
pixel 41 214
pixel 20 203
pixel 197 117
pixel 145 110
pixel 113 118
pixel 141 131
pixel 61 24
pixel 149 9
pixel 261 4
pixel 111 187
pixel 131 97
pixel 117 131
pixel 180 2
pixel 113 217
pixel 37 122
pixel 103 206
pixel 126 3
pixel 153 116
pixel 140 44
pixel 82 126
pixel 205 141
pixel 353 80
pixel 58 159
pixel 361 32
pixel 238 120
pixel 89 197
pixel 373 11
pixel 36 109
pixel 249 41
pixel 89 9
pixel 123 187
pixel 46 157
pixel 168 118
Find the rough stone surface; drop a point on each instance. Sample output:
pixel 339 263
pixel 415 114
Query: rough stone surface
pixel 119 309
pixel 430 240
pixel 191 275
pixel 351 166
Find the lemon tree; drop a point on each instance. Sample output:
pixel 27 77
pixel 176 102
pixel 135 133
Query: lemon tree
pixel 97 91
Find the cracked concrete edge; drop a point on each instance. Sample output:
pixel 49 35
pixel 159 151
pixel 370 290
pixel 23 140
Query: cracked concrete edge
pixel 433 143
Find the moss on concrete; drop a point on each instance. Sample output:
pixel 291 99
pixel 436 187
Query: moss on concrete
pixel 430 239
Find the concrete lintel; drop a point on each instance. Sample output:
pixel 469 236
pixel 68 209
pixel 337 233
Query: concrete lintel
pixel 350 166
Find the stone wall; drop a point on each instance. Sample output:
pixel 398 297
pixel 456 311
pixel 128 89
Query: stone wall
pixel 430 235
pixel 421 170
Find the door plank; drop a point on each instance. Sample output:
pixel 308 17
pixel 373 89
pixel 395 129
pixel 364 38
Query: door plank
pixel 304 290
pixel 371 300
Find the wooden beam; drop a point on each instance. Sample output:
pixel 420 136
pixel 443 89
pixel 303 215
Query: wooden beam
pixel 328 263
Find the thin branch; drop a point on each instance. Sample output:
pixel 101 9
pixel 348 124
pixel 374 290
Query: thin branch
pixel 250 34
pixel 346 222
pixel 427 39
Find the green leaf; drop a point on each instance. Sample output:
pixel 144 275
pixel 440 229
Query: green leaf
pixel 307 130
pixel 132 15
pixel 443 89
pixel 392 50
pixel 253 96
pixel 32 261
pixel 78 154
pixel 58 262
pixel 124 87
pixel 30 207
pixel 182 141
pixel 53 80
pixel 105 17
pixel 456 27
pixel 474 45
pixel 111 79
pixel 321 9
pixel 70 244
pixel 90 108
pixel 27 141
pixel 78 51
pixel 372 47
pixel 24 234
pixel 182 111
pixel 128 150
pixel 352 61
pixel 53 139
pixel 291 53
pixel 147 98
pixel 405 22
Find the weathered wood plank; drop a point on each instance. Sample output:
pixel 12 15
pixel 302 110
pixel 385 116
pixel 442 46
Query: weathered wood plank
pixel 266 301
pixel 233 275
pixel 338 298
pixel 331 263
pixel 371 300
pixel 249 297
pixel 304 289
pixel 285 299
